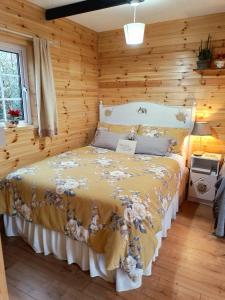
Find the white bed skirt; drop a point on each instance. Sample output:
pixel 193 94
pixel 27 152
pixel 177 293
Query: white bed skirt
pixel 47 241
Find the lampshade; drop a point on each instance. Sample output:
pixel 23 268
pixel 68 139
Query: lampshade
pixel 201 129
pixel 134 33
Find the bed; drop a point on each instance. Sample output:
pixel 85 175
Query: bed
pixel 105 211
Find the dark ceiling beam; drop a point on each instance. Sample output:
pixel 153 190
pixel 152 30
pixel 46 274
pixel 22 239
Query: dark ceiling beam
pixel 81 7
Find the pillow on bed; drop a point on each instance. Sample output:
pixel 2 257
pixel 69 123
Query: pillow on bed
pixel 177 135
pixel 152 145
pixel 107 140
pixel 129 129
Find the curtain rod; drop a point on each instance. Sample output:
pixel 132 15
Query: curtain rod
pixel 31 37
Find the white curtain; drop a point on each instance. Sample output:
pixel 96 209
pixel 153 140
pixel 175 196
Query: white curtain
pixel 45 89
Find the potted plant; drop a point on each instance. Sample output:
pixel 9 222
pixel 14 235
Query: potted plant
pixel 219 61
pixel 205 54
pixel 14 115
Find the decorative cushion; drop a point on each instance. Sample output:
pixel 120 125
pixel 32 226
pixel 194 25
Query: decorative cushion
pixel 130 129
pixel 108 140
pixel 152 145
pixel 176 135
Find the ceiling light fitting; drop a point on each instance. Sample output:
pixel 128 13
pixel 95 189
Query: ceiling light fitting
pixel 134 32
pixel 136 2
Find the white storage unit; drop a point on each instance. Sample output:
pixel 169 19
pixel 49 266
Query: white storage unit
pixel 203 176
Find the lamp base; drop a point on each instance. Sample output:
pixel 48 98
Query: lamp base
pixel 198 153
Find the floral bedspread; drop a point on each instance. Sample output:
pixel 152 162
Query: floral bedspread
pixel 112 201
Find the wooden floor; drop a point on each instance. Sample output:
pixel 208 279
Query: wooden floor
pixel 191 265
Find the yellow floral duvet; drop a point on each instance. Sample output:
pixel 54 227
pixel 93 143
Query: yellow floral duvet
pixel 112 201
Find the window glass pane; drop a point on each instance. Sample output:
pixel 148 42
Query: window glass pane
pixel 11 86
pixel 11 78
pixel 1 112
pixel 9 63
pixel 14 104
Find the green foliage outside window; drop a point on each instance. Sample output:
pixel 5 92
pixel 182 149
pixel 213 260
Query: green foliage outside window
pixel 10 85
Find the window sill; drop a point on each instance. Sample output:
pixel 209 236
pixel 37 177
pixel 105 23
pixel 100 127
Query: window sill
pixel 20 127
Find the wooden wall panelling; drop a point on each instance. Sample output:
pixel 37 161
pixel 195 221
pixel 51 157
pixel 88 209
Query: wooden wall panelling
pixel 161 70
pixel 3 286
pixel 74 59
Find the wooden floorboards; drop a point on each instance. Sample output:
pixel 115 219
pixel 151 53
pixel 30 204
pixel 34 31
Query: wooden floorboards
pixel 191 266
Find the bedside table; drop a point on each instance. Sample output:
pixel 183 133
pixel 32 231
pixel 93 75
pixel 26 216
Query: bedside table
pixel 204 172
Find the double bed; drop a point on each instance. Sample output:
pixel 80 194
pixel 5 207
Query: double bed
pixel 104 210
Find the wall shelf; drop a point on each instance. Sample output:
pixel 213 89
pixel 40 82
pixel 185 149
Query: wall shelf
pixel 210 72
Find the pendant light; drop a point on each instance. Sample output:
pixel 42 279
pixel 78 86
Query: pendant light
pixel 134 32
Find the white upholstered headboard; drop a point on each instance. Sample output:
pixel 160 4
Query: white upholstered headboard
pixel 148 113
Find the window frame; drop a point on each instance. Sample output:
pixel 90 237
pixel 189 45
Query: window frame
pixel 23 69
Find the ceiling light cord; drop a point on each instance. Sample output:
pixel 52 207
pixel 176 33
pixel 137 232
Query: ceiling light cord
pixel 134 32
pixel 135 13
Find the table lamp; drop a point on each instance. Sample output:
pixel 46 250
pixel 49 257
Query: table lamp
pixel 201 129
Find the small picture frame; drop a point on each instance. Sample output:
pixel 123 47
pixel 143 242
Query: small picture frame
pixel 126 146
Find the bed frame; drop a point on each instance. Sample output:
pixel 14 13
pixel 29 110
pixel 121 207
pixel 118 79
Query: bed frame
pixel 63 247
pixel 148 113
pixel 152 114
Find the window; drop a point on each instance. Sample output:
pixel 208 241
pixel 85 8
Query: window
pixel 13 83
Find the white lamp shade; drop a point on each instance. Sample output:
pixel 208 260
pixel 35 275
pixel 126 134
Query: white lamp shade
pixel 134 33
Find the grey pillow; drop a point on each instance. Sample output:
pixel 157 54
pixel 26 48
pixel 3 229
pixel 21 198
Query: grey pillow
pixel 152 145
pixel 108 140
